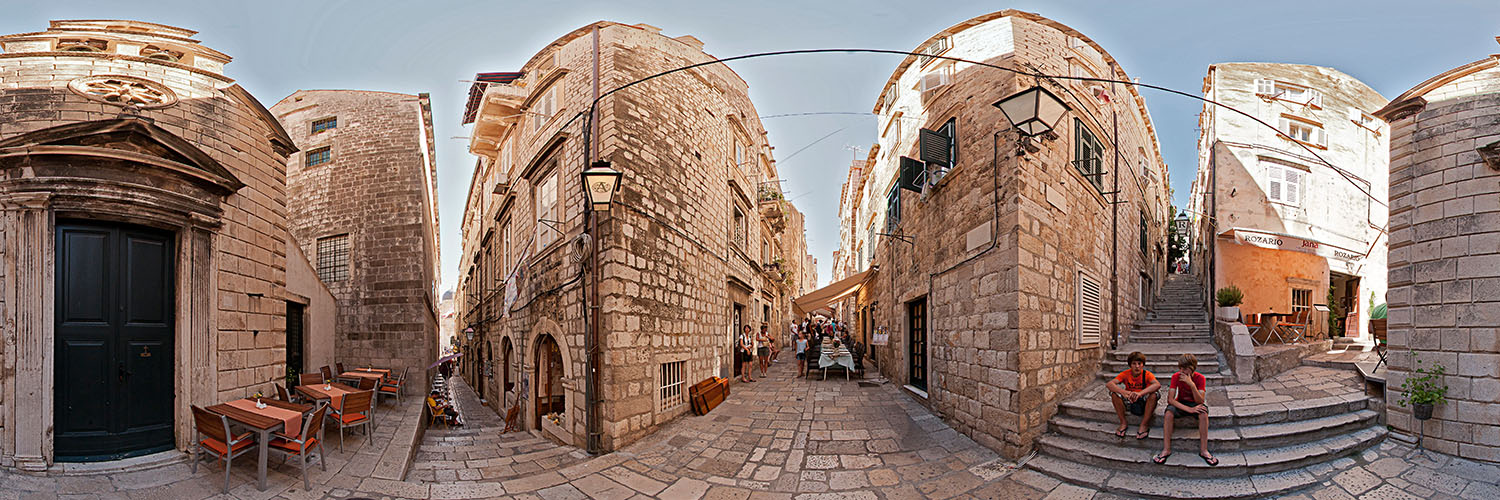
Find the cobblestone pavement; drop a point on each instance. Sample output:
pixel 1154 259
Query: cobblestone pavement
pixel 778 438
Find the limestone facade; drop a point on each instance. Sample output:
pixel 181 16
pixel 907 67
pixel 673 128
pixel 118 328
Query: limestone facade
pixel 1291 225
pixel 128 127
pixel 362 198
pixel 999 271
pixel 1445 254
pixel 688 251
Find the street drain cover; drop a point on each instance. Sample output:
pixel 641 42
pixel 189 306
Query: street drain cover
pixel 868 384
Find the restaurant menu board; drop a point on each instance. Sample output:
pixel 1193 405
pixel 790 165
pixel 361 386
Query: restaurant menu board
pixel 882 337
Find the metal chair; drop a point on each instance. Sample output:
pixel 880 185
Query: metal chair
pixel 310 379
pixel 302 445
pixel 1298 325
pixel 391 388
pixel 218 443
pixel 353 411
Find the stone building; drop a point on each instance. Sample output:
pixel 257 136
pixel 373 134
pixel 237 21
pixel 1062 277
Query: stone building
pixel 688 252
pixel 990 275
pixel 1445 254
pixel 1292 229
pixel 361 196
pixel 144 238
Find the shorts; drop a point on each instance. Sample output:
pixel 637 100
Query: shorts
pixel 1179 413
pixel 763 352
pixel 801 355
pixel 1138 408
pixel 749 356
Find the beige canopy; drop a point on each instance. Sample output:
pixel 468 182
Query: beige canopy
pixel 833 292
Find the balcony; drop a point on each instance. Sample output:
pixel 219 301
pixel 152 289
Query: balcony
pixel 499 110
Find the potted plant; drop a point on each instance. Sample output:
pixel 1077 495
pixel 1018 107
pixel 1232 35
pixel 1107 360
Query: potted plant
pixel 1423 389
pixel 1229 299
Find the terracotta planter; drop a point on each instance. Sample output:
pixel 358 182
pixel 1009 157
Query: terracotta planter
pixel 1421 411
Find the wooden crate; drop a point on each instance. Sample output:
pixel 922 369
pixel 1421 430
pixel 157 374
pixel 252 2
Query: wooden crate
pixel 707 395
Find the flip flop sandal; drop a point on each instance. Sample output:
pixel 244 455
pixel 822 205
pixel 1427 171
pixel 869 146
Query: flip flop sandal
pixel 1161 459
pixel 1211 461
pixel 1142 435
pixel 1120 433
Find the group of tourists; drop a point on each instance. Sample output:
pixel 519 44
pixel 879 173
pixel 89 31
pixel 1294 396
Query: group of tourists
pixel 1136 390
pixel 760 350
pixel 818 331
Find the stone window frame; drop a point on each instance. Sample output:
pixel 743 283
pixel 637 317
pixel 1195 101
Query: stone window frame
pixel 893 208
pixel 1088 150
pixel 545 233
pixel 1317 135
pixel 333 256
pixel 544 108
pixel 323 124
pixel 318 156
pixel 738 229
pixel 1280 90
pixel 1277 178
pixel 936 81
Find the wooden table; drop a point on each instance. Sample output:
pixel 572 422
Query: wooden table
pixel 261 424
pixel 316 391
pixel 356 375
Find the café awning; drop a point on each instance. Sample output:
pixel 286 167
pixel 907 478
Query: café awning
pixel 833 292
pixel 1283 241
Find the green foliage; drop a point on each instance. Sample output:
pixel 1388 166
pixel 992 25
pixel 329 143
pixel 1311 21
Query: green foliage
pixel 1176 241
pixel 1334 313
pixel 1378 312
pixel 292 374
pixel 1229 296
pixel 1425 386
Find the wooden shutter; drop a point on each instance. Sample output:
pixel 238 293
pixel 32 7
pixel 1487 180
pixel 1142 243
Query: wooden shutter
pixel 1314 98
pixel 934 147
pixel 1319 137
pixel 1293 185
pixel 1089 322
pixel 1265 86
pixel 911 174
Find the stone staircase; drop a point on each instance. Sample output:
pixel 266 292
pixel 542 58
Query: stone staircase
pixel 1267 443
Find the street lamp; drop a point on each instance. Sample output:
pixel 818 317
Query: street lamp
pixel 1033 111
pixel 600 182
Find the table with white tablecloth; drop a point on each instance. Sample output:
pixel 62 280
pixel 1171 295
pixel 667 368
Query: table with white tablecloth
pixel 836 356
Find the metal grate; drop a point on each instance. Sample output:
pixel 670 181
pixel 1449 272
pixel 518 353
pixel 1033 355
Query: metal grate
pixel 333 258
pixel 1088 310
pixel 320 156
pixel 325 124
pixel 671 384
pixel 1301 299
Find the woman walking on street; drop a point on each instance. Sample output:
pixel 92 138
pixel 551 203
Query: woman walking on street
pixel 747 350
pixel 802 355
pixel 763 349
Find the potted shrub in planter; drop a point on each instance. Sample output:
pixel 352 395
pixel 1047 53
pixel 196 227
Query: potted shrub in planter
pixel 1423 389
pixel 1229 299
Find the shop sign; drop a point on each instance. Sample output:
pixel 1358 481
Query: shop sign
pixel 1295 244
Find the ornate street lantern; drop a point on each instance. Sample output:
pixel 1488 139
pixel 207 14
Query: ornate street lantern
pixel 1033 111
pixel 600 182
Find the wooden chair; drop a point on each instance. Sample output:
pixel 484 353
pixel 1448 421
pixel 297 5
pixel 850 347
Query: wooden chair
pixel 218 441
pixel 367 384
pixel 1298 325
pixel 340 366
pixel 282 394
pixel 302 445
pixel 436 414
pixel 353 411
pixel 327 372
pixel 391 388
pixel 310 379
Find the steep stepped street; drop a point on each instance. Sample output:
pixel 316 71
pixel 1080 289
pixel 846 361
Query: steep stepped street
pixel 1176 325
pixel 1271 438
pixel 477 451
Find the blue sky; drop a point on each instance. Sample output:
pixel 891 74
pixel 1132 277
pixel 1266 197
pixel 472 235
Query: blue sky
pixel 431 46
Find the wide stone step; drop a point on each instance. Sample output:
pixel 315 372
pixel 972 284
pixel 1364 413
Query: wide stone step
pixel 1161 486
pixel 1213 378
pixel 1185 462
pixel 1093 405
pixel 1248 437
pixel 1170 339
pixel 1163 368
pixel 1164 351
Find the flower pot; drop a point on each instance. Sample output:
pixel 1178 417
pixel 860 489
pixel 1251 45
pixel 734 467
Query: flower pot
pixel 1422 411
pixel 1229 313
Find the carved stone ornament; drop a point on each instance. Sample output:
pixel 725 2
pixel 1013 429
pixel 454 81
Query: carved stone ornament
pixel 124 91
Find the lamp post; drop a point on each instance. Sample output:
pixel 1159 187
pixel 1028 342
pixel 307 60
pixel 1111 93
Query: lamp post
pixel 1033 111
pixel 600 182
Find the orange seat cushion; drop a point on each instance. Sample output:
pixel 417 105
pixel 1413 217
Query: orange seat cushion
pixel 352 418
pixel 241 441
pixel 293 446
pixel 390 389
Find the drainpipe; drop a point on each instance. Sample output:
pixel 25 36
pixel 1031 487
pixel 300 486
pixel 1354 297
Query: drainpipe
pixel 1114 216
pixel 592 397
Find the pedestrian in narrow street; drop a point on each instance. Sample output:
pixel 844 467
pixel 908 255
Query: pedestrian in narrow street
pixel 763 349
pixel 802 355
pixel 1189 389
pixel 747 351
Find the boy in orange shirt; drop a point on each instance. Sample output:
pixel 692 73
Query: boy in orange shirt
pixel 1136 389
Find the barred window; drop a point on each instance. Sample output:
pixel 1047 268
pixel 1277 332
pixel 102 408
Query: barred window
pixel 671 384
pixel 324 124
pixel 333 258
pixel 320 156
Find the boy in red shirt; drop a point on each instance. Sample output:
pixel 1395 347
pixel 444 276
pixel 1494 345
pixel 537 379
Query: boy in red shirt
pixel 1189 391
pixel 1134 388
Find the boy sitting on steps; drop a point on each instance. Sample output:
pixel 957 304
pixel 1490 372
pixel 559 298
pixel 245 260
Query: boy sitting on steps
pixel 1136 389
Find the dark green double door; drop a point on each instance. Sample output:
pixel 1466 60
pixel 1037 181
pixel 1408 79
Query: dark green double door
pixel 114 355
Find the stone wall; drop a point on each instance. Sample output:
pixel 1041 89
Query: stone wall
pixel 375 189
pixel 1001 241
pixel 1445 256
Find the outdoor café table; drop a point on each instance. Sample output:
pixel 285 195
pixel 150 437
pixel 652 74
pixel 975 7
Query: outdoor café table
pixel 333 394
pixel 356 375
pixel 839 356
pixel 276 416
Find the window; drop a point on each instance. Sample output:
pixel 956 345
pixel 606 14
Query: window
pixel 545 106
pixel 737 228
pixel 505 254
pixel 1301 300
pixel 892 209
pixel 1364 121
pixel 1088 155
pixel 320 156
pixel 671 384
pixel 1302 131
pixel 890 98
pixel 937 47
pixel 1283 183
pixel 765 251
pixel 1077 69
pixel 871 239
pixel 1144 231
pixel 935 80
pixel 1076 43
pixel 333 258
pixel 325 124
pixel 1089 315
pixel 545 196
pixel 1289 92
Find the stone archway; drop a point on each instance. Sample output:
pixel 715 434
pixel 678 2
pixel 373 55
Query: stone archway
pixel 548 392
pixel 507 367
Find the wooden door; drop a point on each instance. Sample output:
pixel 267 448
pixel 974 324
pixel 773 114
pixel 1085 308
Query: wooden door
pixel 114 350
pixel 917 333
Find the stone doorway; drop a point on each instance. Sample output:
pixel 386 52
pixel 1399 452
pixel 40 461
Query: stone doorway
pixel 549 375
